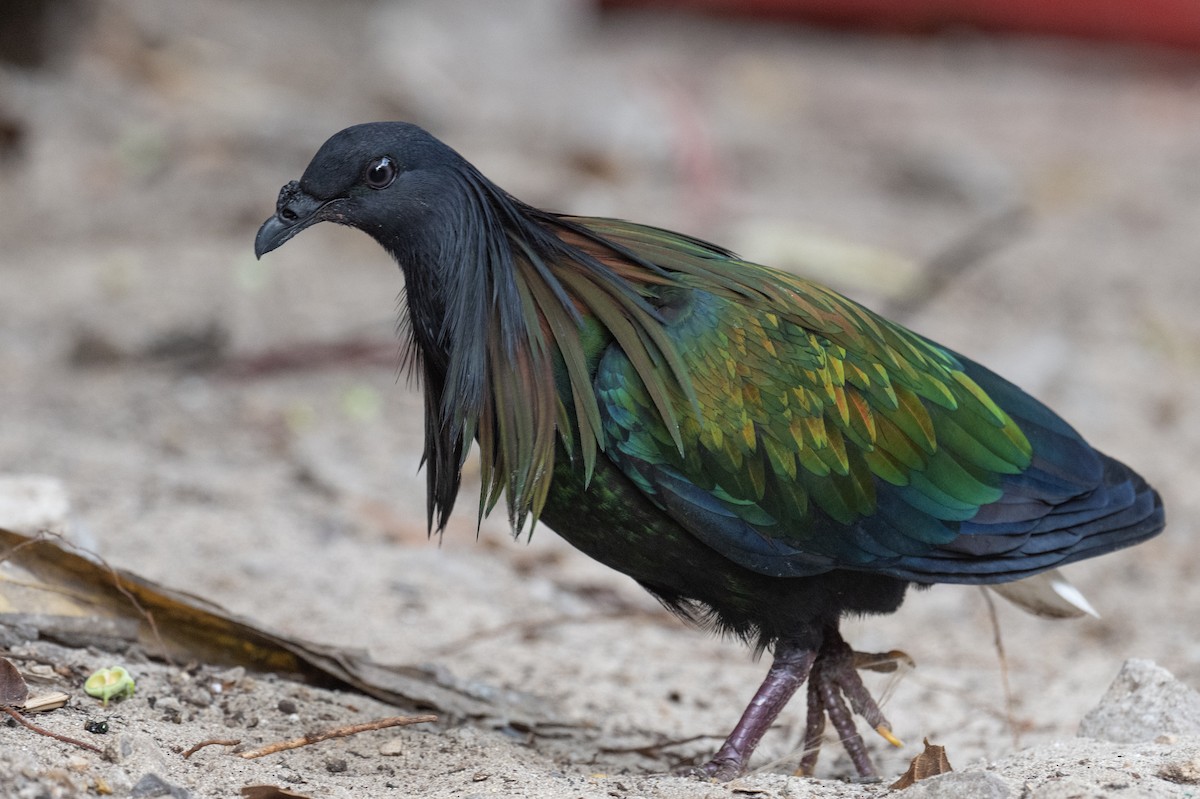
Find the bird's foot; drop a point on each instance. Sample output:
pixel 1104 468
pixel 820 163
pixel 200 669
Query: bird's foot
pixel 788 670
pixel 721 769
pixel 832 683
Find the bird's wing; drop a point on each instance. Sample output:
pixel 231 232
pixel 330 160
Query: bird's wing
pixel 821 436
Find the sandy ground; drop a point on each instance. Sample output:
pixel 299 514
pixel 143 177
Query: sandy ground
pixel 153 143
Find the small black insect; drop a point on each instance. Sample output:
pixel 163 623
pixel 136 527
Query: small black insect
pixel 96 727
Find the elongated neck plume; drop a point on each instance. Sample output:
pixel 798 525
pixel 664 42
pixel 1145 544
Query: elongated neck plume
pixel 498 294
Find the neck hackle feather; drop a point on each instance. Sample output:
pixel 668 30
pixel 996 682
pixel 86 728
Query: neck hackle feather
pixel 524 285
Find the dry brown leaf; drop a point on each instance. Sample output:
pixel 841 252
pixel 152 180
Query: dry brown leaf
pixel 44 703
pixel 271 792
pixel 44 578
pixel 929 763
pixel 13 690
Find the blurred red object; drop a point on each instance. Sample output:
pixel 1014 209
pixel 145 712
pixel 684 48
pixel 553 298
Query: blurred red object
pixel 1165 22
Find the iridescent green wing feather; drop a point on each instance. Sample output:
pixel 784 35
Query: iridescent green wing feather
pixel 827 436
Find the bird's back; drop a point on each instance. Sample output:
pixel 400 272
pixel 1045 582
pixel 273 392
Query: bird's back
pixel 818 436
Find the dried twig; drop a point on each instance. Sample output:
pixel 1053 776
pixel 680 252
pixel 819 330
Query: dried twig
pixel 8 553
pixel 336 732
pixel 24 722
pixel 655 749
pixel 661 751
pixel 1009 701
pixel 211 742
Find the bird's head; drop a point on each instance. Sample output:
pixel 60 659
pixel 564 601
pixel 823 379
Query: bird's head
pixel 472 337
pixel 379 177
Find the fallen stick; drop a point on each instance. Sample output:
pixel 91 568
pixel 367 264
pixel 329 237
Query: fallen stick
pixel 1010 702
pixel 24 722
pixel 211 742
pixel 336 732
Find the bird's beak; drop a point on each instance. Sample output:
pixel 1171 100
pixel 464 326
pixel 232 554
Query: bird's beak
pixel 294 211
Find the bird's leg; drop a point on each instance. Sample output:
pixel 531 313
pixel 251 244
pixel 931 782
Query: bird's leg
pixel 787 673
pixel 814 728
pixel 833 677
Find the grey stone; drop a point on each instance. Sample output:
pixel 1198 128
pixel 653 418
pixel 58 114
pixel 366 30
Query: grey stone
pixel 1143 702
pixel 152 785
pixel 392 747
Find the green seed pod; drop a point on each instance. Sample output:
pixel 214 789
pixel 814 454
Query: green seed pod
pixel 111 683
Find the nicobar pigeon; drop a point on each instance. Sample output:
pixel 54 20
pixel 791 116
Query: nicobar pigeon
pixel 762 454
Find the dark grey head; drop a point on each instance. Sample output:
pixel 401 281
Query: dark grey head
pixel 452 232
pixel 373 177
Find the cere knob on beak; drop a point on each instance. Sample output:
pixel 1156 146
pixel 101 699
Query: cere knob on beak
pixel 294 211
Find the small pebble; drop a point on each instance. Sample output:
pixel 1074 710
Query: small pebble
pixel 171 709
pixel 196 695
pixel 1182 773
pixel 152 785
pixel 392 747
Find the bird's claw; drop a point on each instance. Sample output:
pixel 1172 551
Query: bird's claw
pixel 883 662
pixel 833 682
pixel 884 730
pixel 720 769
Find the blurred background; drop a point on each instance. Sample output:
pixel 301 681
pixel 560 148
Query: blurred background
pixel 242 430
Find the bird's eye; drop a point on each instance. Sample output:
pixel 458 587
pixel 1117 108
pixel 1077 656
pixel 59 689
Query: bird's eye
pixel 381 172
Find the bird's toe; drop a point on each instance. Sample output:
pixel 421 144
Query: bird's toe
pixel 721 769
